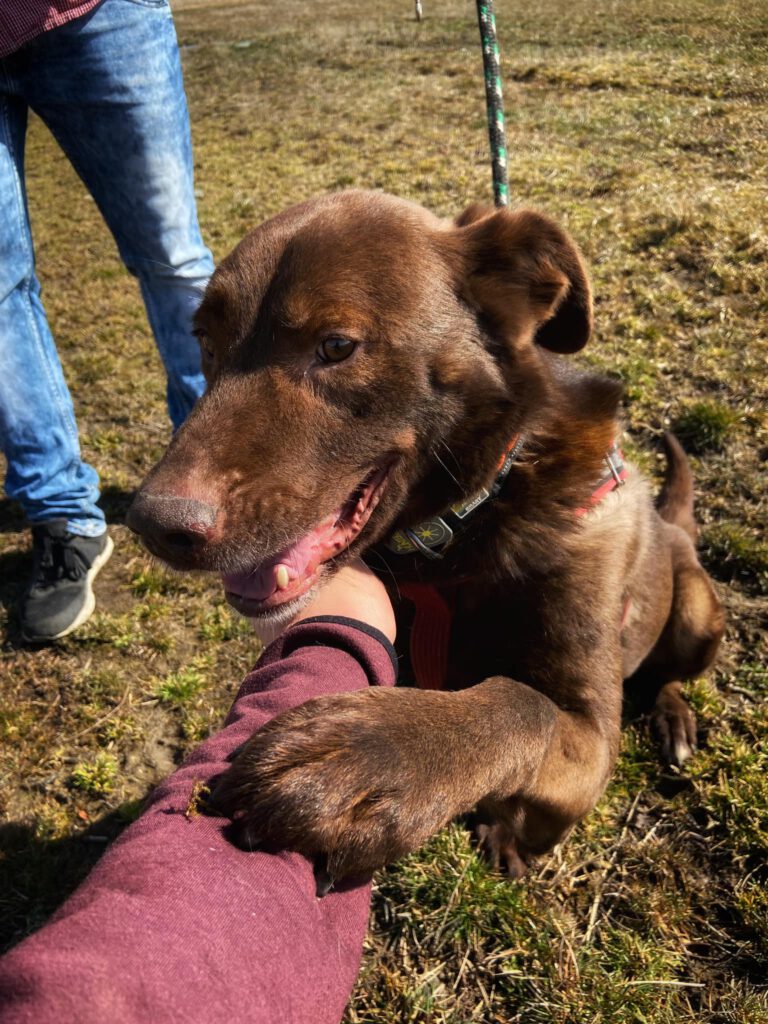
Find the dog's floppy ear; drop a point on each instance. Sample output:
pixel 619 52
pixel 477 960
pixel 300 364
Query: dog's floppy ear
pixel 473 213
pixel 525 274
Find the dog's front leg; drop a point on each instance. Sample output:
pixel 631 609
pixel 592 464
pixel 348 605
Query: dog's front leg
pixel 363 778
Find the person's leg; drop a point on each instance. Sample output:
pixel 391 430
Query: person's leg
pixel 38 433
pixel 109 87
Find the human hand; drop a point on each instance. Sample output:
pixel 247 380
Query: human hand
pixel 353 592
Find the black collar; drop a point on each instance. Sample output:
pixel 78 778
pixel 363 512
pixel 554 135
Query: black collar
pixel 434 535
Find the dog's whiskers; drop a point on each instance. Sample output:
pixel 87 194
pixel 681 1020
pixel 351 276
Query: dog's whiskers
pixel 450 474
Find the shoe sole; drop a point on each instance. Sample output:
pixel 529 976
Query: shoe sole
pixel 90 600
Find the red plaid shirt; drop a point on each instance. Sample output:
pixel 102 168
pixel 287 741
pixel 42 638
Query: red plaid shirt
pixel 22 20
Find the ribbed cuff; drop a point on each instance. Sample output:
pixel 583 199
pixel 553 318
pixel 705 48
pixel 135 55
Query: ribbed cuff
pixel 344 633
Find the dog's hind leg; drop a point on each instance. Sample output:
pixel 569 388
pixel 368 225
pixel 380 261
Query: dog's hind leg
pixel 674 724
pixel 686 648
pixel 511 833
pixel 497 840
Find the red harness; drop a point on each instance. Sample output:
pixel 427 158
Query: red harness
pixel 433 615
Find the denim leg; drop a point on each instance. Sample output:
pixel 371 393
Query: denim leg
pixel 109 87
pixel 38 433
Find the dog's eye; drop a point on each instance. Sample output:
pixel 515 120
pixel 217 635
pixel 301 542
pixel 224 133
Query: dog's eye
pixel 334 349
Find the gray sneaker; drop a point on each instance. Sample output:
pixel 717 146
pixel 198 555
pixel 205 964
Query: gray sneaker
pixel 60 597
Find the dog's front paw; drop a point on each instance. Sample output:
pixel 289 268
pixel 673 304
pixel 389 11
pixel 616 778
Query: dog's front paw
pixel 358 779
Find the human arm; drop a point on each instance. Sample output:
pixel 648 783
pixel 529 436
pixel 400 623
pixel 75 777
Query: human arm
pixel 175 923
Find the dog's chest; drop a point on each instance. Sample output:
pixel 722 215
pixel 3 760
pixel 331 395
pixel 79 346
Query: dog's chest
pixel 453 638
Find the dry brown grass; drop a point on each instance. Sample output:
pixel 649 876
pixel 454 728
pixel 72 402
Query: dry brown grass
pixel 644 127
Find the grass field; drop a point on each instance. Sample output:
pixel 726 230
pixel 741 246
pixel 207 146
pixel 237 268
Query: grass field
pixel 643 126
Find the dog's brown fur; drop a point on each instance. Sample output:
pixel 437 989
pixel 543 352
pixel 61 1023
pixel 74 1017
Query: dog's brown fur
pixel 456 324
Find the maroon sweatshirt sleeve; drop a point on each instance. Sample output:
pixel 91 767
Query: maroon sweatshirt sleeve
pixel 175 924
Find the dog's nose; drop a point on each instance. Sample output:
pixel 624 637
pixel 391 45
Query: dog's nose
pixel 177 525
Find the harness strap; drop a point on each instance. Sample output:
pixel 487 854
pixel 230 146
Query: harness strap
pixel 433 616
pixel 430 634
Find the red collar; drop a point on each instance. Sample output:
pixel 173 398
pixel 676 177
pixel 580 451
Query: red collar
pixel 615 477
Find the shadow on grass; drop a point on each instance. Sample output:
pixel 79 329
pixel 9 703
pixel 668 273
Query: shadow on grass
pixel 115 503
pixel 11 516
pixel 37 875
pixel 15 567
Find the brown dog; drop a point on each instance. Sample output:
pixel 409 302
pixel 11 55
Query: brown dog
pixel 373 373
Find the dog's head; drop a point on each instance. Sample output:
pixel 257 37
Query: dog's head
pixel 367 364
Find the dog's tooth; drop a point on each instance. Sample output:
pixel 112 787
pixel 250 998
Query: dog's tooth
pixel 281 577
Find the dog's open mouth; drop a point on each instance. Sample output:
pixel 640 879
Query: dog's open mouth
pixel 292 572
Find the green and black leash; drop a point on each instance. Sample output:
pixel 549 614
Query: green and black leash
pixel 494 101
pixel 493 98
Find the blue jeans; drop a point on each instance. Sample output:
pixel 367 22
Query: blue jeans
pixel 108 85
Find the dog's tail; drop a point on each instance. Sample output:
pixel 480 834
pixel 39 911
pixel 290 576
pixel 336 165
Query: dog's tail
pixel 675 500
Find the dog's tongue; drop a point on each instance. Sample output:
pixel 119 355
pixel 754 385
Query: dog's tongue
pixel 297 561
pixel 290 572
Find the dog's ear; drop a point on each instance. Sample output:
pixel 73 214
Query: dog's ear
pixel 524 273
pixel 473 213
